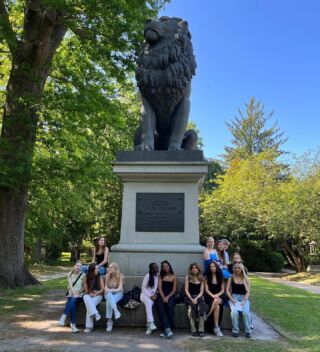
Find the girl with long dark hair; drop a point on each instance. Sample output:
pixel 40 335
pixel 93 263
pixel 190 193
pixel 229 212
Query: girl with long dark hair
pixel 149 294
pixel 94 288
pixel 214 288
pixel 100 255
pixel 165 301
pixel 222 261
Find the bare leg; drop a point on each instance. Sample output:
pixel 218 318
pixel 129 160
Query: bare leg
pixel 216 313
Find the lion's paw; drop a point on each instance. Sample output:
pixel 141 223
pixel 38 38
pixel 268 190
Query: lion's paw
pixel 144 148
pixel 174 146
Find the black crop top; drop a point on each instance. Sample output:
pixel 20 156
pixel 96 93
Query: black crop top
pixel 238 289
pixel 194 289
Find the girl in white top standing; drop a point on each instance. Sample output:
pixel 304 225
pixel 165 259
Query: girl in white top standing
pixel 149 294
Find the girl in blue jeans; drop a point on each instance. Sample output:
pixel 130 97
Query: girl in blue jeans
pixel 238 291
pixel 75 293
pixel 113 292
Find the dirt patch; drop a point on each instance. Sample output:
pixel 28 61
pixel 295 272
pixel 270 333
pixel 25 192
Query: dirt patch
pixel 36 330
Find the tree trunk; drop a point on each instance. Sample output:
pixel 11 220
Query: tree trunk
pixel 36 254
pixel 74 255
pixel 294 257
pixel 31 63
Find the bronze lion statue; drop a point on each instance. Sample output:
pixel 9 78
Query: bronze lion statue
pixel 164 71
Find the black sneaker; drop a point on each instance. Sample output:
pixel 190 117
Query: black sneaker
pixel 235 334
pixel 194 334
pixel 201 334
pixel 248 335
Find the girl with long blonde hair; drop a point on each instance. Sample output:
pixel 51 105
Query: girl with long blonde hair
pixel 238 291
pixel 113 290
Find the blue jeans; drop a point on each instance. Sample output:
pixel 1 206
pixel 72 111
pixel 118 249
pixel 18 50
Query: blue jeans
pixel 70 308
pixel 112 298
pixel 102 269
pixel 246 315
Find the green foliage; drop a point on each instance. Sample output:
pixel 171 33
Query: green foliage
pixel 192 126
pixel 259 255
pixel 260 198
pixel 215 169
pixel 250 134
pixel 88 110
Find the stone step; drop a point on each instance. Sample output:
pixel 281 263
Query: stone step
pixel 137 318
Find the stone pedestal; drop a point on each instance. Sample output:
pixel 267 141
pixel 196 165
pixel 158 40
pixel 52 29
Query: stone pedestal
pixel 159 210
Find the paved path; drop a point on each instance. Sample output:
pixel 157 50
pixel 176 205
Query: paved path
pixel 62 272
pixel 37 331
pixel 46 277
pixel 277 278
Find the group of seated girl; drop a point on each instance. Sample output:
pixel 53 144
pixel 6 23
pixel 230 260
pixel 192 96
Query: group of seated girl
pixel 226 283
pixel 204 295
pixel 92 288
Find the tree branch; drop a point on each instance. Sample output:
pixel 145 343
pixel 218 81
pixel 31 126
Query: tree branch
pixel 6 28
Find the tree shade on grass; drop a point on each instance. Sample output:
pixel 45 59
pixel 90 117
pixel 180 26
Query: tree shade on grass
pixel 294 312
pixel 25 299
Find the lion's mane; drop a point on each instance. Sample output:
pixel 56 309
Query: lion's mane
pixel 169 66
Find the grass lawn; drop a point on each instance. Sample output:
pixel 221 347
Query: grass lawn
pixel 294 312
pixel 304 278
pixel 24 299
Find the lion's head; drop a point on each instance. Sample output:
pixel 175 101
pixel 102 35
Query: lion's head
pixel 167 58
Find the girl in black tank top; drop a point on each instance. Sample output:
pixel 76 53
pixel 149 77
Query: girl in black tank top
pixel 100 254
pixel 238 291
pixel 214 287
pixel 165 302
pixel 194 288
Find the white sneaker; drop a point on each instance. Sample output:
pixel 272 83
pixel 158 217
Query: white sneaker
pixel 217 332
pixel 109 326
pixel 169 333
pixel 149 331
pixel 74 328
pixel 87 330
pixel 117 314
pixel 151 326
pixel 97 316
pixel 62 321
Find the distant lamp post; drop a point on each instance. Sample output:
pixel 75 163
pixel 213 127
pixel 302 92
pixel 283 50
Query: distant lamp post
pixel 312 247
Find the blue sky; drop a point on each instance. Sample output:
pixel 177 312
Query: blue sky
pixel 267 49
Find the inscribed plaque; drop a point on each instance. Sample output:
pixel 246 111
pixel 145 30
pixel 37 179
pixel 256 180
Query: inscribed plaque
pixel 160 212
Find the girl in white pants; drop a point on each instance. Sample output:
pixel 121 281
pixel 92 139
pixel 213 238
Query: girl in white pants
pixel 94 288
pixel 149 294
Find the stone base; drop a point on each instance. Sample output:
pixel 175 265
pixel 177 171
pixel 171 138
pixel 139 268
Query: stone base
pixel 160 215
pixel 136 262
pixel 137 318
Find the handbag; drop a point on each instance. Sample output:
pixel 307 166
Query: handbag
pixel 67 293
pixel 202 306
